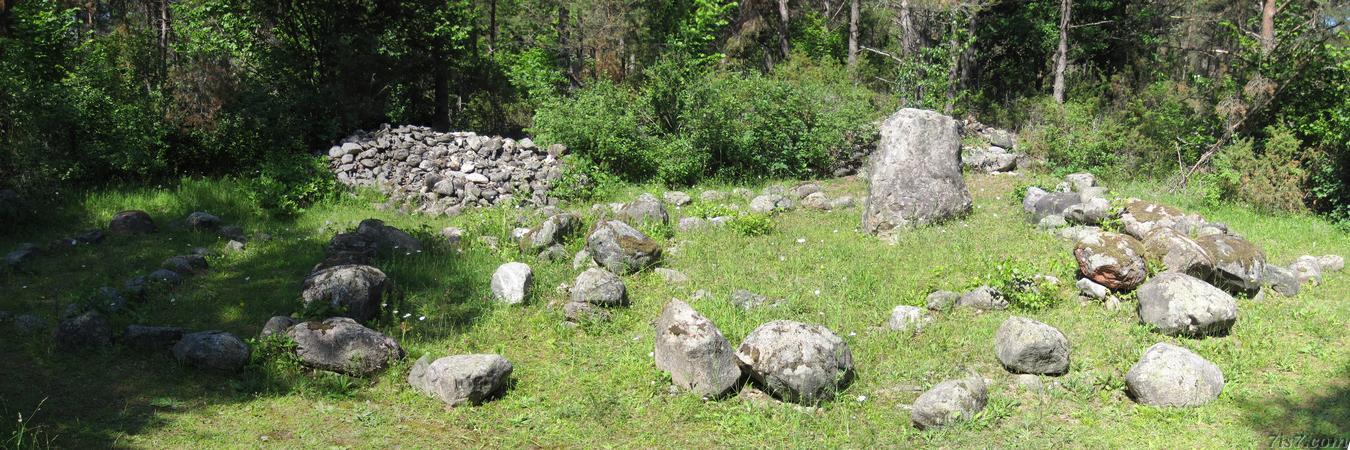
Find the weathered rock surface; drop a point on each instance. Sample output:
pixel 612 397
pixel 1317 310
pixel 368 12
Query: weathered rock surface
pixel 644 209
pixel 277 325
pixel 353 290
pixel 555 230
pixel 915 174
pixel 796 362
pixel 621 248
pixel 693 350
pixel 151 337
pixel 599 287
pixel 1178 253
pixel 1177 304
pixel 983 298
pixel 461 379
pixel 941 300
pixel 950 402
pixel 512 283
pixel 339 344
pixel 1168 375
pixel 202 220
pixel 212 350
pixel 1113 260
pixel 131 222
pixel 1028 346
pixel 1238 264
pixel 83 332
pixel 905 318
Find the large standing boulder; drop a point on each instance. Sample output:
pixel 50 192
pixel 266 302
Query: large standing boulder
pixel 599 287
pixel 84 331
pixel 512 283
pixel 1168 375
pixel 645 208
pixel 693 350
pixel 552 232
pixel 131 222
pixel 950 402
pixel 212 350
pixel 1181 305
pixel 339 344
pixel 621 248
pixel 1178 253
pixel 915 174
pixel 1027 346
pixel 461 379
pixel 353 290
pixel 1113 260
pixel 796 362
pixel 1238 264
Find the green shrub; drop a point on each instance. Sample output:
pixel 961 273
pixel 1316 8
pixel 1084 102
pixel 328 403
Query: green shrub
pixel 582 180
pixel 1076 136
pixel 1271 181
pixel 708 210
pixel 602 124
pixel 752 224
pixel 285 186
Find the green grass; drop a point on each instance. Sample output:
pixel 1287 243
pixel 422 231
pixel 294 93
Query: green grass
pixel 1287 362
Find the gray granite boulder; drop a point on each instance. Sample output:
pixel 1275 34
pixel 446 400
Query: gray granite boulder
pixel 1168 375
pixel 621 248
pixel 354 290
pixel 212 350
pixel 1028 346
pixel 694 352
pixel 339 344
pixel 1177 304
pixel 915 176
pixel 796 362
pixel 1113 260
pixel 461 379
pixel 950 402
pixel 599 287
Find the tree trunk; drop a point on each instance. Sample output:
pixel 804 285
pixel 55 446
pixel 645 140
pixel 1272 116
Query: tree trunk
pixel 1062 54
pixel 853 34
pixel 953 72
pixel 5 6
pixel 492 26
pixel 1267 26
pixel 783 27
pixel 441 75
pixel 907 36
pixel 967 56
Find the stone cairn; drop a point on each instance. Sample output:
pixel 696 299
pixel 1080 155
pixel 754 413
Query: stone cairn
pixel 443 173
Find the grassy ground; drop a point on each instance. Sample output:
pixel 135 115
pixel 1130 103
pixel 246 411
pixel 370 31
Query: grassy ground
pixel 1287 362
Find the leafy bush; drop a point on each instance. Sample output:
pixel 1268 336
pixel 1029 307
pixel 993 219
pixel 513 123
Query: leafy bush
pixel 1076 136
pixel 1017 280
pixel 285 186
pixel 582 180
pixel 687 125
pixel 708 210
pixel 1270 181
pixel 752 224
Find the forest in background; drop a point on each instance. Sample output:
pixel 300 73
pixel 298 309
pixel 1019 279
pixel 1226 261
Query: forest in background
pixel 1242 101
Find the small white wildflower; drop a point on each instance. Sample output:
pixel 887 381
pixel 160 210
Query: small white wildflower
pixel 862 398
pixel 817 292
pixel 801 240
pixel 782 258
pixel 384 305
pixel 852 333
pixel 405 316
pixel 395 312
pixel 421 317
pixel 651 354
pixel 836 230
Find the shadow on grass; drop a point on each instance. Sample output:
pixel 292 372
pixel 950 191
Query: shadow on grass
pixel 97 398
pixel 1318 419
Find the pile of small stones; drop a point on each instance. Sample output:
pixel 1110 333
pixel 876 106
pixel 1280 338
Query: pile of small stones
pixel 443 173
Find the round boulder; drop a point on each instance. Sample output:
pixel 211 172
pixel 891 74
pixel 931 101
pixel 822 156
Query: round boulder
pixel 202 220
pixel 1238 264
pixel 645 208
pixel 131 222
pixel 693 350
pixel 212 350
pixel 512 282
pixel 552 232
pixel 950 402
pixel 1178 253
pixel 599 287
pixel 906 318
pixel 355 290
pixel 1027 346
pixel 339 344
pixel 84 331
pixel 461 379
pixel 1113 260
pixel 1181 305
pixel 1168 375
pixel 796 362
pixel 621 248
